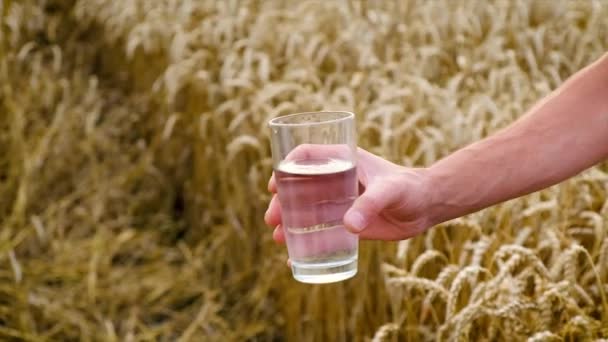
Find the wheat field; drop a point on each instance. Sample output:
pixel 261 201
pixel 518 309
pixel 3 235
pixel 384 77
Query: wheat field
pixel 134 156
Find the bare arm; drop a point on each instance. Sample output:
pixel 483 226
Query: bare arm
pixel 564 134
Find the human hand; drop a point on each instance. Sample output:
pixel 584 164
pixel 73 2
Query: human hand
pixel 394 202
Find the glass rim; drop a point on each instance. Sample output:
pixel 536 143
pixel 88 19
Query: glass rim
pixel 345 115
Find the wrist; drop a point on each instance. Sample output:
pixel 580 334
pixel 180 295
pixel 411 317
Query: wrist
pixel 446 199
pixel 434 209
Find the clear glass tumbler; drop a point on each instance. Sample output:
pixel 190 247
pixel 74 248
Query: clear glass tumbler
pixel 314 160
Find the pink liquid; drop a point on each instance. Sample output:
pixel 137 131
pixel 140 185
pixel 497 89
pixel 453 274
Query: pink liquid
pixel 314 195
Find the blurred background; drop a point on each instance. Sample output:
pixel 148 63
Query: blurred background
pixel 134 157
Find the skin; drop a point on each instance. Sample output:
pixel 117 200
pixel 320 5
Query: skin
pixel 562 135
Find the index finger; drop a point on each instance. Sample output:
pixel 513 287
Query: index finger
pixel 313 151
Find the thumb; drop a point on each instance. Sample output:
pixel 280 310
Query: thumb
pixel 376 197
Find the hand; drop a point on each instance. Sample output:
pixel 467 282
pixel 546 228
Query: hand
pixel 394 202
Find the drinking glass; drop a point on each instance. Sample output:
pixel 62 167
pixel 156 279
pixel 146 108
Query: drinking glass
pixel 314 161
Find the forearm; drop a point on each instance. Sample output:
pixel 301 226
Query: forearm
pixel 561 136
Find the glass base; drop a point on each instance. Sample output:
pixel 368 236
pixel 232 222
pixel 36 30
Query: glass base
pixel 323 273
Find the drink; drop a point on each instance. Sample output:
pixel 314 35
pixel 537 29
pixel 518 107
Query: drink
pixel 314 158
pixel 314 195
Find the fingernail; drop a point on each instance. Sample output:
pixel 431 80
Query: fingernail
pixel 355 220
pixel 266 214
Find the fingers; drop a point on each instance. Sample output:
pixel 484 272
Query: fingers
pixel 272 185
pixel 320 151
pixel 369 205
pixel 279 235
pixel 309 151
pixel 368 157
pixel 370 166
pixel 273 214
pixel 357 219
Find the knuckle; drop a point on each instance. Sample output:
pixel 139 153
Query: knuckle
pixel 369 205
